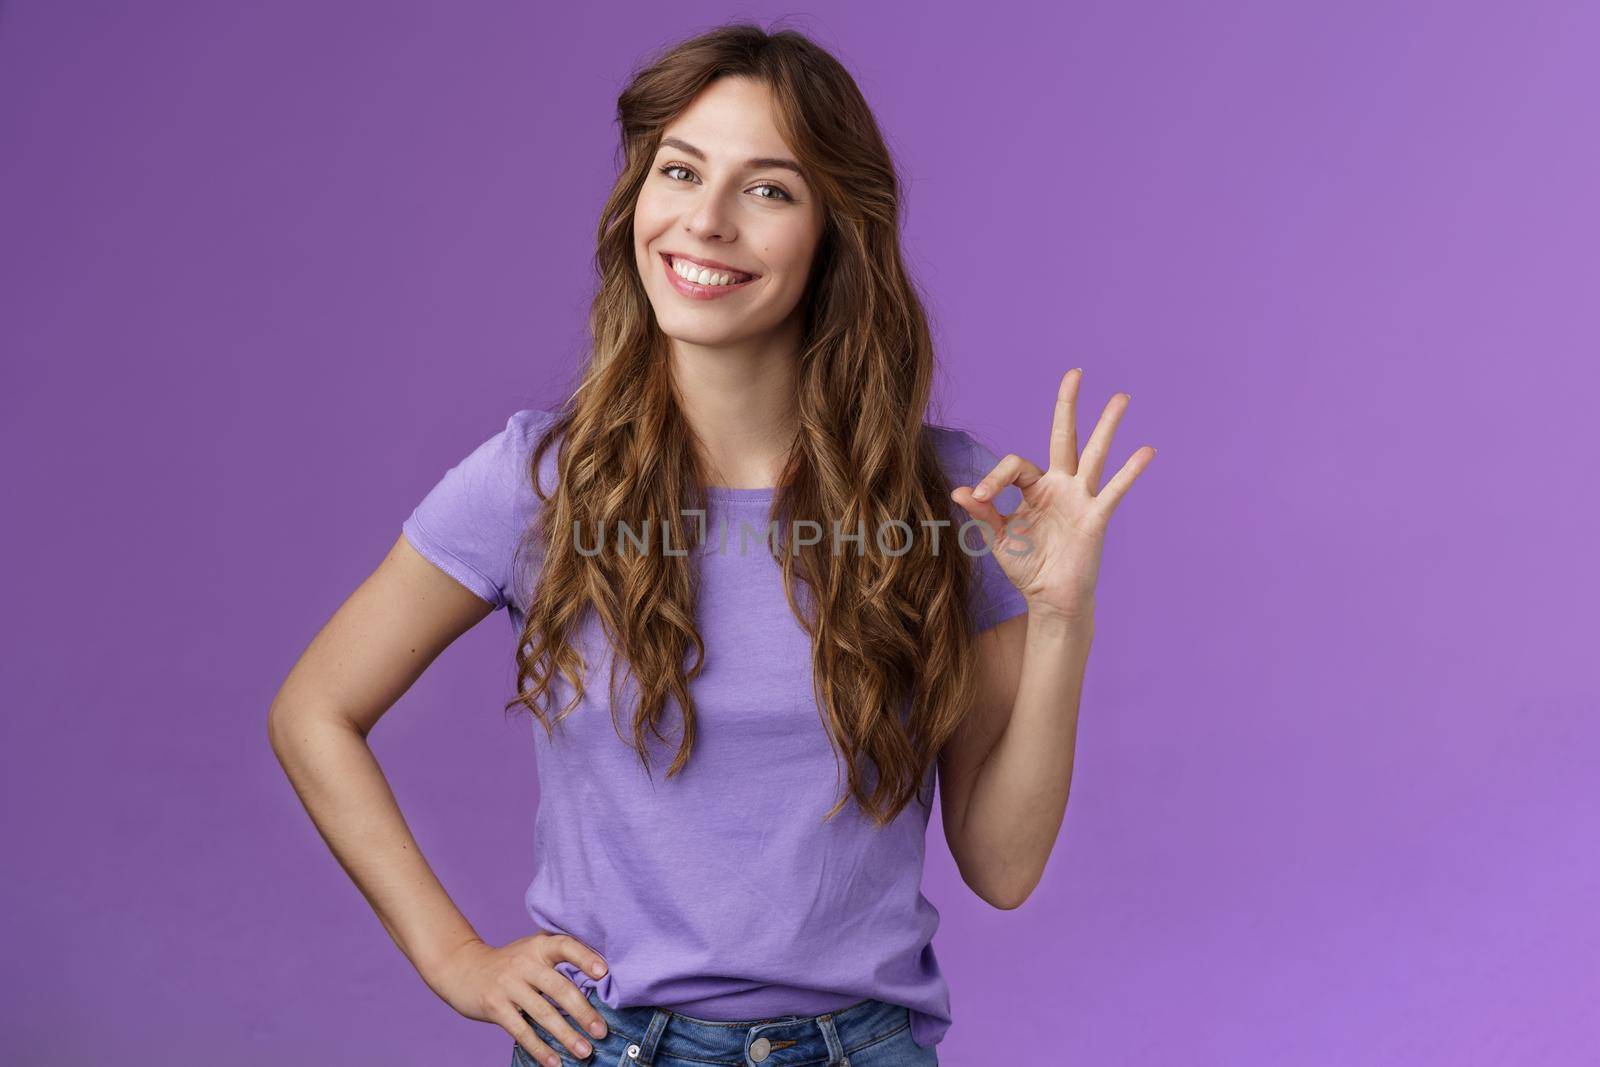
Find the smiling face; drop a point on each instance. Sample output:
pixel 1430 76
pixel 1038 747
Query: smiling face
pixel 725 228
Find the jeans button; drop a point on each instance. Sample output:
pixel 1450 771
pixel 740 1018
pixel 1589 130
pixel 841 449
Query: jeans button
pixel 760 1049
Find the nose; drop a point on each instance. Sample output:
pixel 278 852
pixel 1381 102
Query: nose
pixel 710 219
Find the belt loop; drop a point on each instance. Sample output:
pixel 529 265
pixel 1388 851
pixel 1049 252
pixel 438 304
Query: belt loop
pixel 836 1056
pixel 645 1056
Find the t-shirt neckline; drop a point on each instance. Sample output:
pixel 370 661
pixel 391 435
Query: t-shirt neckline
pixel 724 495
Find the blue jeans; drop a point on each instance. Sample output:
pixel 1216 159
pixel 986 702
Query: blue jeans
pixel 868 1033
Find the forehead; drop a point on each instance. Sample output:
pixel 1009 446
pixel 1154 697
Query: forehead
pixel 732 118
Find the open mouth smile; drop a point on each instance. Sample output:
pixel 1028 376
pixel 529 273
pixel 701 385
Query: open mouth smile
pixel 700 281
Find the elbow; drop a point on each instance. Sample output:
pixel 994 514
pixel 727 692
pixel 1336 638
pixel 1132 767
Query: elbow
pixel 282 715
pixel 1005 893
pixel 272 725
pixel 277 728
pixel 290 723
pixel 1002 881
pixel 1008 898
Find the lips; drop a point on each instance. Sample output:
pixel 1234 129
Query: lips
pixel 696 291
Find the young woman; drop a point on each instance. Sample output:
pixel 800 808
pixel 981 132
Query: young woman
pixel 738 737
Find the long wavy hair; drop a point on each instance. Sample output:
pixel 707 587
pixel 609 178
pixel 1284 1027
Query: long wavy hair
pixel 892 637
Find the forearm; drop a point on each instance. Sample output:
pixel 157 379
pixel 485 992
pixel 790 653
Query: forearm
pixel 343 789
pixel 1019 792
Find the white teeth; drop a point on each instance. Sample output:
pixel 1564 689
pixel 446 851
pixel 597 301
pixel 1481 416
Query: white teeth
pixel 703 275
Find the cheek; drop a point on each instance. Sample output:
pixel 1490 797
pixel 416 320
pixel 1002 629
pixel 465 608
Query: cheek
pixel 772 246
pixel 792 251
pixel 649 221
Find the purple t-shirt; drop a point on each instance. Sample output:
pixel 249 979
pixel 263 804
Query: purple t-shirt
pixel 719 893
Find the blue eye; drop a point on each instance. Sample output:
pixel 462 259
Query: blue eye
pixel 783 194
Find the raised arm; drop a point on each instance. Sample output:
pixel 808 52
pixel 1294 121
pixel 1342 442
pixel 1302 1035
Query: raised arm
pixel 1006 774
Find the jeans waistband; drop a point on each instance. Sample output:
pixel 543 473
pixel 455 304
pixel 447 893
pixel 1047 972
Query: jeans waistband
pixel 782 1041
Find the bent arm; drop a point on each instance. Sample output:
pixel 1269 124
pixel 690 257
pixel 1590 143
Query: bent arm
pixel 1006 775
pixel 362 660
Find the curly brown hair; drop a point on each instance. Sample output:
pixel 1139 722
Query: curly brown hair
pixel 892 635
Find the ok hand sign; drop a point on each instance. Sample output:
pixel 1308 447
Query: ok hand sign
pixel 1050 546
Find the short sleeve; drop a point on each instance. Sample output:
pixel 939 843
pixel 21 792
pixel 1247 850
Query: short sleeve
pixel 471 524
pixel 995 597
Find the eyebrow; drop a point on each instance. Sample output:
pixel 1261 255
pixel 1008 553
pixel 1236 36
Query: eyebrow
pixel 759 163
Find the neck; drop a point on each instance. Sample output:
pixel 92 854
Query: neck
pixel 739 400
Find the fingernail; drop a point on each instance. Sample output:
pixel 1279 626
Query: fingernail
pixel 583 1048
pixel 982 492
pixel 597 1029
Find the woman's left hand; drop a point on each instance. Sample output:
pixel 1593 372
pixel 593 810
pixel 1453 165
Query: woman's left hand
pixel 1050 546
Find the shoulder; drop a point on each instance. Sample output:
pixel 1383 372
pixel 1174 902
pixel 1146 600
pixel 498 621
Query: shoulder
pixel 525 426
pixel 965 455
pixel 471 523
pixel 502 462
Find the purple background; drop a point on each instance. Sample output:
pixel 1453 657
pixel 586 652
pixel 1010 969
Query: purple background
pixel 267 271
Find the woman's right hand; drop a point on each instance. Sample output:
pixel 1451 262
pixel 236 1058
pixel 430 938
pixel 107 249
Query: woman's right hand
pixel 500 985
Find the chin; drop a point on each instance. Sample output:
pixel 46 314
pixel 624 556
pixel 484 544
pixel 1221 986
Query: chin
pixel 707 335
